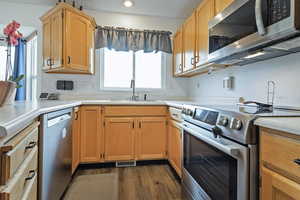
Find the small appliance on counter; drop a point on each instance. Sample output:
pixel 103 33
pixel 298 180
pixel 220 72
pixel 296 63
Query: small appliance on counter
pixel 49 96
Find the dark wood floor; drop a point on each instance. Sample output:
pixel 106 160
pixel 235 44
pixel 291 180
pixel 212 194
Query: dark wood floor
pixel 149 182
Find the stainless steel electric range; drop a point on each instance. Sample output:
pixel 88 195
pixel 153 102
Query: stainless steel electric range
pixel 220 148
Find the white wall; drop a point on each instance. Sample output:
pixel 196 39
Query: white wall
pixel 87 86
pixel 251 82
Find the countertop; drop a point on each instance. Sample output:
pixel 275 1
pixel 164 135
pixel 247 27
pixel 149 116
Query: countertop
pixel 13 118
pixel 285 124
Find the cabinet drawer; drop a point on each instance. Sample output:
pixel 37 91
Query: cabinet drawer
pixel 279 153
pixel 135 110
pixel 12 160
pixel 175 114
pixel 30 192
pixel 16 186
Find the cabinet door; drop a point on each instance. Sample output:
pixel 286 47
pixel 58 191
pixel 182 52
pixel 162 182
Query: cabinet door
pixel 189 43
pixel 175 147
pixel 205 12
pixel 119 139
pixel 221 5
pixel 46 43
pixel 177 53
pixel 277 187
pixel 91 134
pixel 76 140
pixel 152 138
pixel 77 47
pixel 57 39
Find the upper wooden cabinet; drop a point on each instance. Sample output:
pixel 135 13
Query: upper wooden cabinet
pixel 189 43
pixel 204 13
pixel 178 53
pixel 221 5
pixel 68 40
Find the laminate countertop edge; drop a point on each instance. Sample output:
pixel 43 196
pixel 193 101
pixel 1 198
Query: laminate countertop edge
pixel 285 124
pixel 14 118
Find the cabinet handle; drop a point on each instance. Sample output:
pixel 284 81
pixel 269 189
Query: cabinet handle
pixel 76 116
pixel 180 67
pixel 140 124
pixel 297 161
pixel 197 59
pixel 49 62
pixel 133 125
pixel 31 175
pixel 69 59
pixel 30 146
pixel 192 61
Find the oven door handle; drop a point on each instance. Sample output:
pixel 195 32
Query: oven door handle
pixel 232 150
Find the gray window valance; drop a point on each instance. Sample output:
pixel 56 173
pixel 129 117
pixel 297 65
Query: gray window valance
pixel 121 39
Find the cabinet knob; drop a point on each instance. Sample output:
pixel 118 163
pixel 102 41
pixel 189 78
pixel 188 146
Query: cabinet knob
pixel 297 161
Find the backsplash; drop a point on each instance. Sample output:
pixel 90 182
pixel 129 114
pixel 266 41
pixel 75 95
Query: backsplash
pixel 88 87
pixel 250 82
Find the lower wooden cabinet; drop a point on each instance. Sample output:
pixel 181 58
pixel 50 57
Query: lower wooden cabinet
pixel 113 136
pixel 76 139
pixel 277 187
pixel 119 139
pixel 279 165
pixel 152 138
pixel 175 146
pixel 91 134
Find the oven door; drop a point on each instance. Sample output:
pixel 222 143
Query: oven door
pixel 244 26
pixel 214 169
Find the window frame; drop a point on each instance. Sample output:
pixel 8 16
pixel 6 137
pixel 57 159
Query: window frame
pixel 100 56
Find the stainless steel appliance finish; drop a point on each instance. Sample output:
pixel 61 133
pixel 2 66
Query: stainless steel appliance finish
pixel 220 156
pixel 250 30
pixel 55 154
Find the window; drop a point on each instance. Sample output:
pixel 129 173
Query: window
pixel 119 68
pixel 31 69
pixel 3 57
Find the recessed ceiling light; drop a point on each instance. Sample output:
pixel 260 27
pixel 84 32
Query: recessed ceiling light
pixel 128 3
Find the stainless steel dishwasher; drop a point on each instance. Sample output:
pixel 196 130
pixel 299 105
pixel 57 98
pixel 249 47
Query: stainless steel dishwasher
pixel 55 154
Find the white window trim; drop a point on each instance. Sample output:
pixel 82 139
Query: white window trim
pixel 100 56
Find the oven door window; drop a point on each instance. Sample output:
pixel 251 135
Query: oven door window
pixel 213 170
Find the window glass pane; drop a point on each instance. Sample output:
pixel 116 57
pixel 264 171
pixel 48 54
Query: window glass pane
pixel 3 55
pixel 148 70
pixel 118 69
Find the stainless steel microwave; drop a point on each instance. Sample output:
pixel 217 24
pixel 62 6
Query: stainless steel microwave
pixel 253 30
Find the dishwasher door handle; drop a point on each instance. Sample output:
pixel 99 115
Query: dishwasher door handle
pixel 58 120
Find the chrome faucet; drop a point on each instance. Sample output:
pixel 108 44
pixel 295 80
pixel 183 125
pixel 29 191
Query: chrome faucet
pixel 134 97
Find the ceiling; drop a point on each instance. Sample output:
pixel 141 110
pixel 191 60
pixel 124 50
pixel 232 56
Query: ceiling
pixel 162 8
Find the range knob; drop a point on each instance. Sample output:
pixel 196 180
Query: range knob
pixel 223 121
pixel 190 112
pixel 216 131
pixel 236 124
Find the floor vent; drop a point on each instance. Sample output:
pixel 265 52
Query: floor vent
pixel 126 164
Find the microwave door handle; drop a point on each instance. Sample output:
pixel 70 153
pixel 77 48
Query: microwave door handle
pixel 259 18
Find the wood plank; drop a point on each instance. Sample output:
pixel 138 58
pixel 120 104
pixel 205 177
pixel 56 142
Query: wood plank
pixel 143 182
